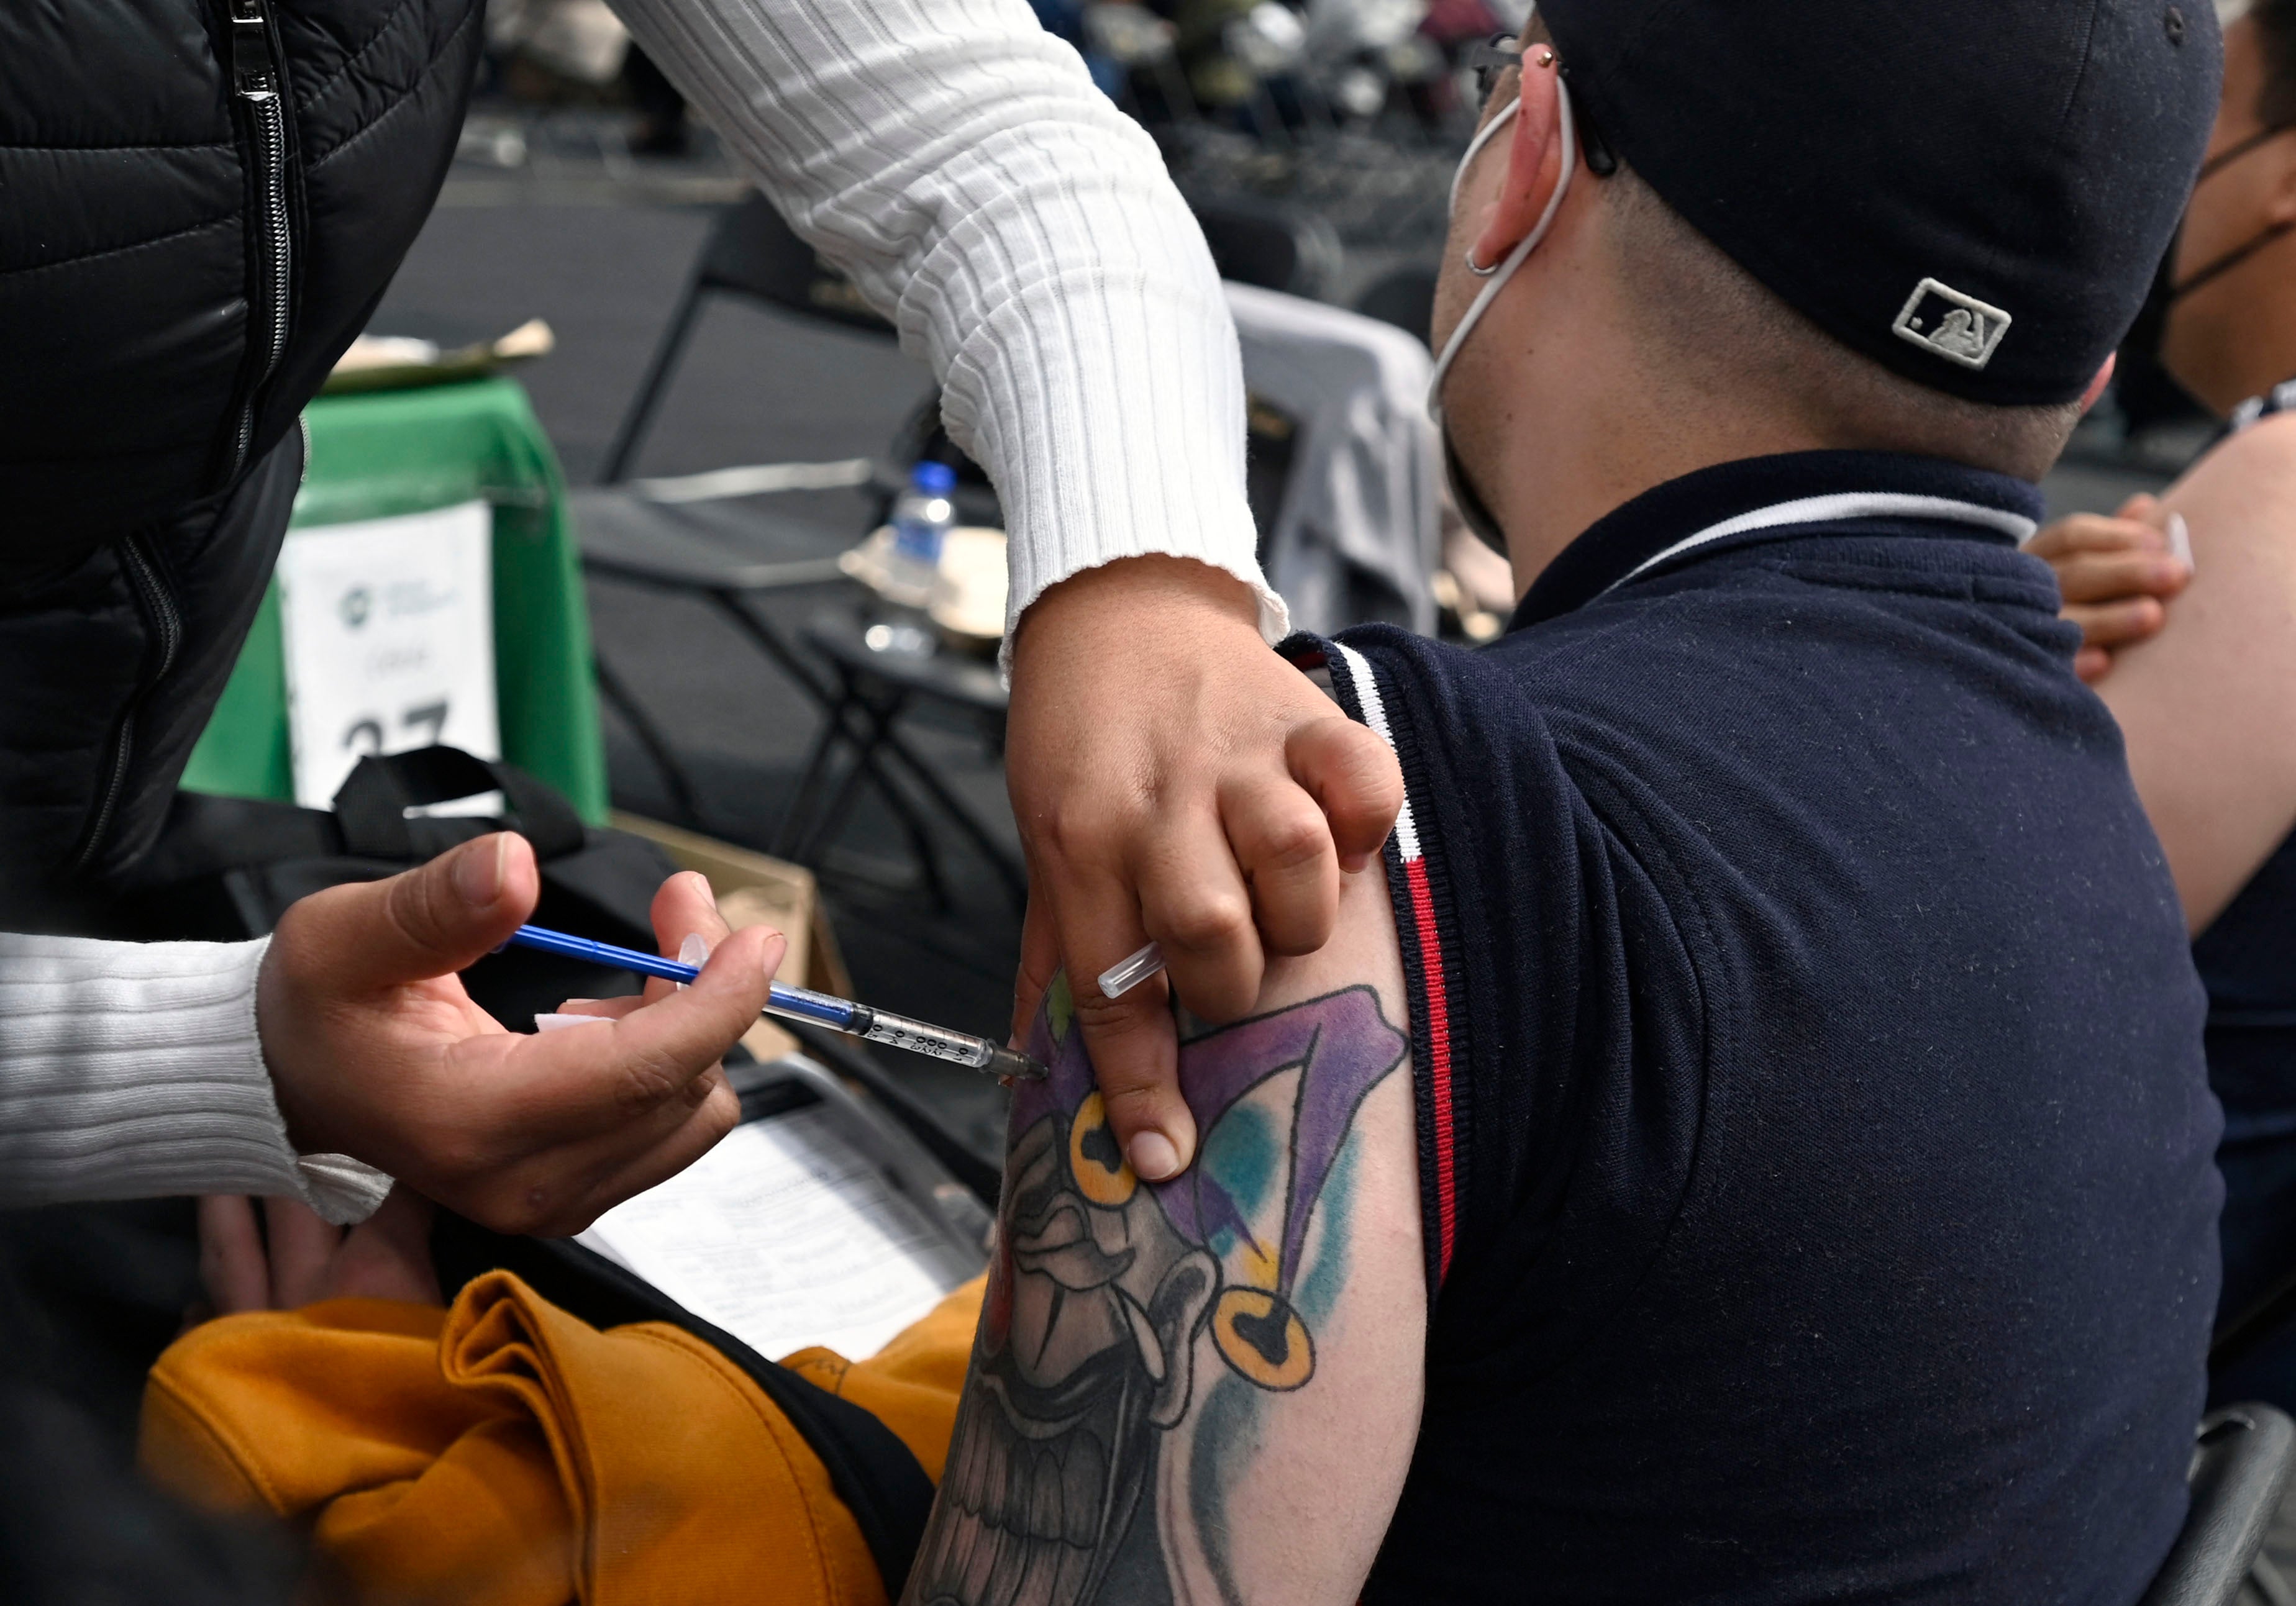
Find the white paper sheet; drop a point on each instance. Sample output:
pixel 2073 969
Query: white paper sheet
pixel 388 626
pixel 784 1235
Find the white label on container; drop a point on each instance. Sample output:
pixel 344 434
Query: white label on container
pixel 388 630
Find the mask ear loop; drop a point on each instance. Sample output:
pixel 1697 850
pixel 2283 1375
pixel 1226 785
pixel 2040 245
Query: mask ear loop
pixel 2226 158
pixel 2225 263
pixel 2175 291
pixel 1497 277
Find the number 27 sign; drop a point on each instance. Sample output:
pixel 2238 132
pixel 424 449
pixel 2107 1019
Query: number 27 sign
pixel 388 630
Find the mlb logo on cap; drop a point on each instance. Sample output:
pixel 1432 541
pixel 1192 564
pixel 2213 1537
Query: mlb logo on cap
pixel 1959 328
pixel 2038 151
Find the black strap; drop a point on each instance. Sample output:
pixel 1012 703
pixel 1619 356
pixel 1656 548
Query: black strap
pixel 2225 159
pixel 2231 259
pixel 373 803
pixel 872 1471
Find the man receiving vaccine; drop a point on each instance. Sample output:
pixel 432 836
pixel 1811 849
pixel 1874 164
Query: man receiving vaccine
pixel 1751 1142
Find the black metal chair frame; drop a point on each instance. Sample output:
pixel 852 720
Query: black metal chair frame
pixel 868 702
pixel 753 254
pixel 844 719
pixel 2239 1475
pixel 750 252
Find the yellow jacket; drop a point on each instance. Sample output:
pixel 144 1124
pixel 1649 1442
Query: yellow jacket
pixel 504 1453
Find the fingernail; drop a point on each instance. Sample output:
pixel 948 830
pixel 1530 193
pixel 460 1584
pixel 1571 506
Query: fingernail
pixel 708 890
pixel 693 951
pixel 1152 1156
pixel 478 870
pixel 776 950
pixel 557 1022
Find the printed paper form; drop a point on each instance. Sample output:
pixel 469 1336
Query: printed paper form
pixel 784 1235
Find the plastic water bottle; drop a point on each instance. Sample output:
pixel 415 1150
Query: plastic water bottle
pixel 920 521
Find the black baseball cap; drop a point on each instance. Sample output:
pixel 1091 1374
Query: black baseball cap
pixel 1974 192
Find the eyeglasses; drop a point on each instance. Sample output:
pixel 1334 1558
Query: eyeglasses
pixel 1494 58
pixel 1491 59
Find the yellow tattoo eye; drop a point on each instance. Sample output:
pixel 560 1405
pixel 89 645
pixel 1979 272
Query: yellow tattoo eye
pixel 1263 1339
pixel 1101 1174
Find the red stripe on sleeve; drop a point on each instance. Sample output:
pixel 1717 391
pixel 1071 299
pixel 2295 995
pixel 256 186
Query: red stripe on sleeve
pixel 1438 1052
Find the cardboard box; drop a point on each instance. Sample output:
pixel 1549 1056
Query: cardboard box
pixel 754 890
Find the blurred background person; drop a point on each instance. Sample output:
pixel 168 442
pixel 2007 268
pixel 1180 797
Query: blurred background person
pixel 2194 649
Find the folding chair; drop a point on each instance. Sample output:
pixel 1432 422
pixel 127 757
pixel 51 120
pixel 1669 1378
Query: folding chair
pixel 2240 1464
pixel 732 558
pixel 752 253
pixel 701 551
pixel 698 550
pixel 873 689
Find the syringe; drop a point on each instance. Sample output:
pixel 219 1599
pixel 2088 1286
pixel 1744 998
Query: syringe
pixel 803 1003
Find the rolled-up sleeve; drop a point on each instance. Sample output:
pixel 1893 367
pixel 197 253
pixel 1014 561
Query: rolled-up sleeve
pixel 958 162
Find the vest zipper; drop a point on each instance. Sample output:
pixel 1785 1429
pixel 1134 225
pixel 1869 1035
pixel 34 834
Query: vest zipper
pixel 256 84
pixel 157 603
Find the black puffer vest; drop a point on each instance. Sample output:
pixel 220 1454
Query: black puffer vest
pixel 200 203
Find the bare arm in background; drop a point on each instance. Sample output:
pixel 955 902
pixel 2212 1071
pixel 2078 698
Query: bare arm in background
pixel 2208 699
pixel 1171 776
pixel 1206 1391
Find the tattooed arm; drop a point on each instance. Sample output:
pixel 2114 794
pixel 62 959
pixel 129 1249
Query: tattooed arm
pixel 1204 1390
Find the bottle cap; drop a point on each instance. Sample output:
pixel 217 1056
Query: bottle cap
pixel 937 477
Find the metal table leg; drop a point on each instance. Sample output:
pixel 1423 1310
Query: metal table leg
pixel 617 691
pixel 854 720
pixel 885 737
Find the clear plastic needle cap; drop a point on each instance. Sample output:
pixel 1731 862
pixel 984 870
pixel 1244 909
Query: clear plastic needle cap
pixel 1129 972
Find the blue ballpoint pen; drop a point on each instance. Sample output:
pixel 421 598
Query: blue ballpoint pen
pixel 802 1003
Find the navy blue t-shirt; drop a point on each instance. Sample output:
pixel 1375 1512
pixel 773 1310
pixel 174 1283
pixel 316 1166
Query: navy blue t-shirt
pixel 1815 1138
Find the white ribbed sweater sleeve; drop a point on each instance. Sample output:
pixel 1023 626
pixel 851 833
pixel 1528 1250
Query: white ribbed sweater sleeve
pixel 133 1070
pixel 957 162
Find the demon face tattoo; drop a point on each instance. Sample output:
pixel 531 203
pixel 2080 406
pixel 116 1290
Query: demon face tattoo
pixel 1114 1305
